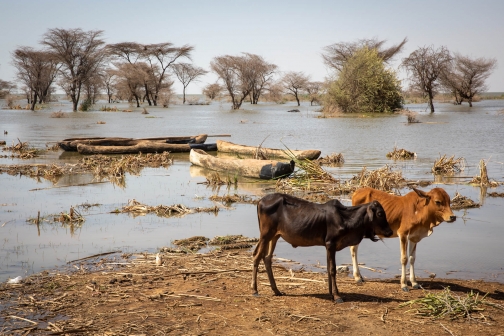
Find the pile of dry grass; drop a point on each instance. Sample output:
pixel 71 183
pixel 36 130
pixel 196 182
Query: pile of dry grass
pixel 232 242
pixel 398 154
pixel 382 179
pixel 102 165
pixel 136 208
pixel 411 117
pixel 448 165
pixel 447 304
pixel 332 160
pixel 462 202
pixel 215 180
pixel 58 114
pixel 192 244
pixel 72 216
pixel 109 109
pixel 235 198
pixel 22 150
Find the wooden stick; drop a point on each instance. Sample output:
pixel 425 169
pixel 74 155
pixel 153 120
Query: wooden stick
pixel 93 256
pixel 219 135
pixel 22 318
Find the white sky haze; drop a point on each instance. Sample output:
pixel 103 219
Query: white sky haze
pixel 290 34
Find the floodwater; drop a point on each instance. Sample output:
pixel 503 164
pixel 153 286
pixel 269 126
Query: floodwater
pixel 470 248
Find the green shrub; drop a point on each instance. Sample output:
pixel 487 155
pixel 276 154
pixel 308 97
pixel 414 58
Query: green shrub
pixel 364 85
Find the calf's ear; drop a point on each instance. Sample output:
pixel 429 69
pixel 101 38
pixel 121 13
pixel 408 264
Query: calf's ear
pixel 422 194
pixel 370 212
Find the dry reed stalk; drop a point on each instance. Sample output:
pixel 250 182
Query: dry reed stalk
pixel 448 165
pixel 483 180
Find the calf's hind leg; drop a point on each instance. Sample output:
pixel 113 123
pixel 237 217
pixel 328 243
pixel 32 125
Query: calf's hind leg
pixel 268 262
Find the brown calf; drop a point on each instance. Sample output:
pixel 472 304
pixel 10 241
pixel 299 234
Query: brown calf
pixel 303 223
pixel 411 217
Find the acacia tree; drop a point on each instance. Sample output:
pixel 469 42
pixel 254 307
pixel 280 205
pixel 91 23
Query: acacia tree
pixel 232 70
pixel 314 90
pixel 5 88
pixel 212 91
pixel 364 84
pixel 109 82
pixel 159 58
pixel 294 83
pixel 425 65
pixel 336 55
pixel 37 70
pixel 260 75
pixel 186 73
pixel 466 78
pixel 80 54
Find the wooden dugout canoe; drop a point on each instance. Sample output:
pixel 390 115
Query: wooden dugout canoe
pixel 144 146
pixel 70 145
pixel 229 147
pixel 262 169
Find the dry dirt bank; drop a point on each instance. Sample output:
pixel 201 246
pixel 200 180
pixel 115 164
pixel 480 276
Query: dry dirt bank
pixel 209 294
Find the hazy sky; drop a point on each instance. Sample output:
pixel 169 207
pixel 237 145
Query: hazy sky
pixel 290 34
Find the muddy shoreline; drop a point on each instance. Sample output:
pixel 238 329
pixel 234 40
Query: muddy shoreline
pixel 209 294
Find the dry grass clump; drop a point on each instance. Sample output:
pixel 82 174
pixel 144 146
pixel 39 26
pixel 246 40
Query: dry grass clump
pixel 54 148
pixel 109 109
pixel 398 154
pixel 447 304
pixel 102 165
pixel 462 202
pixel 334 159
pixel 482 180
pixel 193 243
pixel 448 165
pixel 411 117
pixel 58 114
pixel 22 150
pixel 384 179
pixel 215 180
pixel 495 194
pixel 232 242
pixel 72 216
pixel 235 198
pixel 176 210
pixel 101 122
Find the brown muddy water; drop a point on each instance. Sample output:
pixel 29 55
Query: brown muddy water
pixel 471 247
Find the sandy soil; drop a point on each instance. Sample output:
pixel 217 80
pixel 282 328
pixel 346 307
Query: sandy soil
pixel 209 294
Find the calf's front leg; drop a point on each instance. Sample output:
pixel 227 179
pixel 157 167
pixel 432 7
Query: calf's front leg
pixel 404 260
pixel 412 257
pixel 331 272
pixel 355 264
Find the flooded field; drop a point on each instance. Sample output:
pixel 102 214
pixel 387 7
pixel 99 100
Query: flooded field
pixel 469 248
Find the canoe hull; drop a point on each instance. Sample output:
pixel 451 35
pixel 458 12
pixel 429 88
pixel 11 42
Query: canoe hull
pixel 262 169
pixel 229 147
pixel 70 145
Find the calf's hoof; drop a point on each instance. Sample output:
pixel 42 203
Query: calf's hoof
pixel 405 289
pixel 255 294
pixel 416 286
pixel 359 281
pixel 338 300
pixel 278 293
